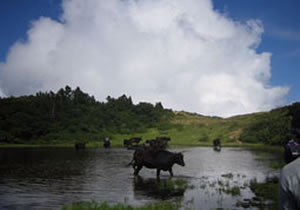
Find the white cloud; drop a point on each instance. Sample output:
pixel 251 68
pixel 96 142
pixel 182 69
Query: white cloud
pixel 182 53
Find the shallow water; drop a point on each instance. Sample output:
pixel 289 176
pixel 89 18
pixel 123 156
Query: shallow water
pixel 47 178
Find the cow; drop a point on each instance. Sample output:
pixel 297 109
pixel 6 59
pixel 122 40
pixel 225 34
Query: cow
pixel 217 144
pixel 79 145
pixel 106 143
pixel 132 143
pixel 159 142
pixel 158 159
pixel 126 142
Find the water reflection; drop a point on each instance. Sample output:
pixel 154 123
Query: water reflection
pixel 38 178
pixel 42 163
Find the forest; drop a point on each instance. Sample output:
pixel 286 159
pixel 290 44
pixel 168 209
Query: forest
pixel 72 115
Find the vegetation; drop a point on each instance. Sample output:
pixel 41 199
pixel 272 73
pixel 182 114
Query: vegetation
pixel 104 206
pixel 267 193
pixel 171 187
pixel 70 115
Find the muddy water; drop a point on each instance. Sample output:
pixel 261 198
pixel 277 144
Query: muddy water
pixel 47 178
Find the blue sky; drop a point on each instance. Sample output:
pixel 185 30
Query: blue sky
pixel 280 21
pixel 16 17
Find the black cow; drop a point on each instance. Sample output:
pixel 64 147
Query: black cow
pixel 159 142
pixel 135 140
pixel 126 142
pixel 132 143
pixel 79 145
pixel 106 143
pixel 217 144
pixel 159 160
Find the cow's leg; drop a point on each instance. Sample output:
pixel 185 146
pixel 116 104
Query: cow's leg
pixel 171 172
pixel 157 173
pixel 134 166
pixel 137 170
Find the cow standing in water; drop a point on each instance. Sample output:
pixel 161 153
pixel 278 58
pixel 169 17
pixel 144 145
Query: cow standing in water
pixel 106 143
pixel 217 144
pixel 155 159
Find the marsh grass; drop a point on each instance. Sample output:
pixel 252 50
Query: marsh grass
pixel 235 190
pixel 86 205
pixel 228 175
pixel 170 188
pixel 267 190
pixel 174 185
pixel 162 189
pixel 267 194
pixel 224 187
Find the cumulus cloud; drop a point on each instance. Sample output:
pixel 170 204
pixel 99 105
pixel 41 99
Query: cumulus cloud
pixel 182 53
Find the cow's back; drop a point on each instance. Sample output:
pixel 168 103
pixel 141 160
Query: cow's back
pixel 164 159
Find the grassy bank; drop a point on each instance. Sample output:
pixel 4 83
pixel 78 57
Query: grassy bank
pixel 104 206
pixel 118 145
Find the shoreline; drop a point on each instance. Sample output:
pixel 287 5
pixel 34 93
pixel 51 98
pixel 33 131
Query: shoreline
pixel 100 145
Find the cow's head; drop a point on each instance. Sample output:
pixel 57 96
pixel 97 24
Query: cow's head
pixel 179 159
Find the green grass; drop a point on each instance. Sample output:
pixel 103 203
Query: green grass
pixel 228 176
pixel 266 191
pixel 85 205
pixel 186 129
pixel 195 130
pixel 174 185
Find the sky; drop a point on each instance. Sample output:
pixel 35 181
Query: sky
pixel 212 57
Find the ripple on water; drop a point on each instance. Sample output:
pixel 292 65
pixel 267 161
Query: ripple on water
pixel 50 177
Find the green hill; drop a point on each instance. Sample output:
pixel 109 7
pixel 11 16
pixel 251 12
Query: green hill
pixel 72 115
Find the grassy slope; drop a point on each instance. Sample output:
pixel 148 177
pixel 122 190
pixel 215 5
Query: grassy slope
pixel 197 130
pixel 189 130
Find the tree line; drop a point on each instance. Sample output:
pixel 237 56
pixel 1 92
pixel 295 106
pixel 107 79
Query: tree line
pixel 72 115
pixel 69 115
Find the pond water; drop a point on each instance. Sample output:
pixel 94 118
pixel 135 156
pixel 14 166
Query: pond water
pixel 47 178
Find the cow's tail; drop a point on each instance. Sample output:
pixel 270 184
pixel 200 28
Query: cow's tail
pixel 131 163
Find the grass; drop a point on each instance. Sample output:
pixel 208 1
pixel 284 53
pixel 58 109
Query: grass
pixel 189 129
pixel 267 194
pixel 228 176
pixel 235 190
pixel 84 205
pixel 186 129
pixel 163 189
pixel 267 190
pixel 174 185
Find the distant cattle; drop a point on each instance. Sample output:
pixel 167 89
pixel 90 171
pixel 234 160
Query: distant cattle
pixel 217 144
pixel 132 143
pixel 4 140
pixel 158 142
pixel 106 143
pixel 79 145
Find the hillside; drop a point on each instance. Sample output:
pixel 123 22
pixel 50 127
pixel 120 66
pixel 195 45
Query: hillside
pixel 72 115
pixel 271 128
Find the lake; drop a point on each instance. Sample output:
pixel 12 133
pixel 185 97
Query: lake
pixel 47 178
